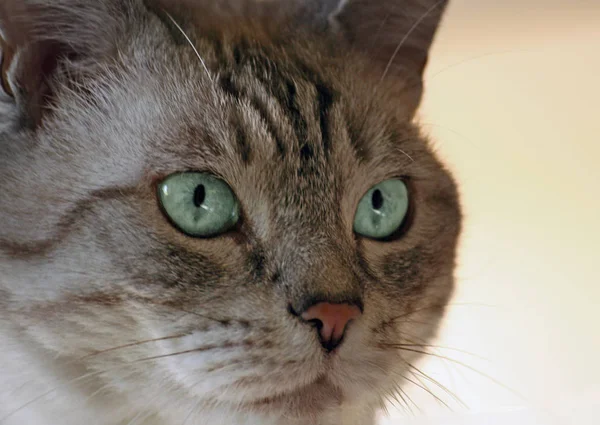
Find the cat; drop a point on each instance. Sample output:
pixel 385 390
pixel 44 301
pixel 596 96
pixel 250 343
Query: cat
pixel 217 212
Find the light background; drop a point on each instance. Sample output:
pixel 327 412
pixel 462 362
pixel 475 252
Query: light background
pixel 513 103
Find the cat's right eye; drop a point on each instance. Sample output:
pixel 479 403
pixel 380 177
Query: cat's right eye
pixel 199 204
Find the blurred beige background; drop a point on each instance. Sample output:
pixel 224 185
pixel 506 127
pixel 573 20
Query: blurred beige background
pixel 513 103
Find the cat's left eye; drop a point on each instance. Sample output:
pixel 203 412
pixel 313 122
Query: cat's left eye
pixel 199 204
pixel 382 210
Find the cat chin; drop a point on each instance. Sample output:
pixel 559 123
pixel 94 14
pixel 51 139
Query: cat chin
pixel 341 381
pixel 308 406
pixel 321 401
pixel 345 415
pixel 225 415
pixel 303 403
pixel 312 399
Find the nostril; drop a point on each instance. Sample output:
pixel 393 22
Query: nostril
pixel 317 323
pixel 330 321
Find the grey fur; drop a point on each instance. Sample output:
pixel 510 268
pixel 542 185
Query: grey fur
pixel 294 116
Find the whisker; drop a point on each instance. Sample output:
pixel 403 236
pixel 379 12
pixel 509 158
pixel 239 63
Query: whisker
pixel 195 350
pixel 203 316
pixel 446 365
pixel 432 306
pixel 411 312
pixel 411 400
pixel 473 305
pixel 383 408
pixel 424 387
pixel 193 313
pixel 190 43
pixel 133 344
pixel 417 377
pixel 399 392
pixel 431 393
pixel 418 322
pixel 102 388
pixel 402 151
pixel 438 384
pixel 440 347
pixel 451 130
pixel 466 366
pixel 437 72
pixel 406 154
pixel 108 350
pixel 98 373
pixel 410 31
pixel 425 344
pixel 70 382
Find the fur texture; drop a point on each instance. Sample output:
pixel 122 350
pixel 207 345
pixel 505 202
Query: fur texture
pixel 109 315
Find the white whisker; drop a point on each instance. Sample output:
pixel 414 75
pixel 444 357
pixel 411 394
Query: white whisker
pixel 191 44
pixel 406 155
pixel 410 31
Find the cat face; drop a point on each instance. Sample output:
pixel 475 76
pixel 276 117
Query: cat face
pixel 297 119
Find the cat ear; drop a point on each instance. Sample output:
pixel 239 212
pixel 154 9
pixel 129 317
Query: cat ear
pixel 25 61
pixel 36 36
pixel 395 34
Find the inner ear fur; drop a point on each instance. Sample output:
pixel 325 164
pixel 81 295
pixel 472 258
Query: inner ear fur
pixel 36 36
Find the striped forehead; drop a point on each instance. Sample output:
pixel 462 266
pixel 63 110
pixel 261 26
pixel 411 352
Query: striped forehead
pixel 292 102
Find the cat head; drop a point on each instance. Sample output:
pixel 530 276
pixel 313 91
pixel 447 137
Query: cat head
pixel 199 196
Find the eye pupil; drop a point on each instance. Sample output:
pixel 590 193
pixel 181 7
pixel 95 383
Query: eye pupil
pixel 377 200
pixel 199 195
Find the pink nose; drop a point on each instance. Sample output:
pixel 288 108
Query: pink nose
pixel 331 320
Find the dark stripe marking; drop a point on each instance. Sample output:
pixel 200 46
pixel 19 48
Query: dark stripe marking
pixel 325 99
pixel 241 140
pixel 27 250
pixel 306 153
pixel 298 121
pixel 229 86
pixel 237 54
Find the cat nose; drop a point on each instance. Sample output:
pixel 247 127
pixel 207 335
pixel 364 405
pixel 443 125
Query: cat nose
pixel 331 321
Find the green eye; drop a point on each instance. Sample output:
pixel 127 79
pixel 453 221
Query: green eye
pixel 382 210
pixel 199 204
